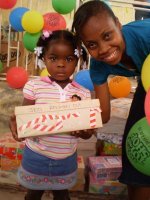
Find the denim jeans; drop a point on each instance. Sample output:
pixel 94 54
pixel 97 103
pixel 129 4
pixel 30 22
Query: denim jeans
pixel 42 165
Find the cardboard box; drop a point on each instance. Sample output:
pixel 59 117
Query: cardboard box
pixel 21 58
pixel 106 187
pixel 120 107
pixel 10 153
pixel 58 118
pixel 105 167
pixel 79 186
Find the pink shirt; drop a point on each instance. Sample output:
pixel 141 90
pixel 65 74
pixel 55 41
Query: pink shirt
pixel 45 91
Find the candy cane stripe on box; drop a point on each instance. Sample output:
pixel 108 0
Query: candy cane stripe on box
pixel 46 128
pixel 92 118
pixel 51 117
pixel 76 114
pixel 63 117
pixel 68 115
pixel 36 123
pixel 59 125
pixel 44 117
pixel 30 123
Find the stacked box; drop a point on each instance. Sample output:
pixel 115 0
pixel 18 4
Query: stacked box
pixel 10 153
pixel 106 186
pixel 104 173
pixel 105 167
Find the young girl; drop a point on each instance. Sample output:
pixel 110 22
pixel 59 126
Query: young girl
pixel 50 162
pixel 116 50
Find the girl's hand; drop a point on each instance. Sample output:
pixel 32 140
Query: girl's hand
pixel 84 134
pixel 13 128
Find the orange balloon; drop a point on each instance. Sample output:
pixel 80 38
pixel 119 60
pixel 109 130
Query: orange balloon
pixel 119 86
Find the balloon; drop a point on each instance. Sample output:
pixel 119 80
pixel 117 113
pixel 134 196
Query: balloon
pixel 7 4
pixel 84 79
pixel 108 3
pixel 147 106
pixel 138 146
pixel 145 73
pixel 63 6
pixel 119 86
pixel 16 77
pixel 15 18
pixel 32 21
pixel 30 40
pixel 44 73
pixel 1 66
pixel 54 21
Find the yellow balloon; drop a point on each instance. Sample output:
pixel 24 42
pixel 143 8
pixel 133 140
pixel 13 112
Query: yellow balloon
pixel 44 72
pixel 32 21
pixel 145 73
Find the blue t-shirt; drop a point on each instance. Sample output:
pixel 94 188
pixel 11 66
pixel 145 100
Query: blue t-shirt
pixel 137 39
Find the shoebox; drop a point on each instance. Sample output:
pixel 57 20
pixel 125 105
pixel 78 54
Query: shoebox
pixel 106 186
pixel 58 117
pixel 105 167
pixel 10 152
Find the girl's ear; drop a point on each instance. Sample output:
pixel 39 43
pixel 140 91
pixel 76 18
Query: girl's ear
pixel 119 25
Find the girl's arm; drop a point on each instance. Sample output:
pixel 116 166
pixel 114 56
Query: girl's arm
pixel 13 124
pixel 102 93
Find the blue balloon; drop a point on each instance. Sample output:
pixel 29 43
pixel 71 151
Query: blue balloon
pixel 15 18
pixel 84 79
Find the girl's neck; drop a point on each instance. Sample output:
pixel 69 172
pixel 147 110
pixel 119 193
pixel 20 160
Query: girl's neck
pixel 62 83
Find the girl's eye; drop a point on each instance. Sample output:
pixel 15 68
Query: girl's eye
pixel 52 58
pixel 70 58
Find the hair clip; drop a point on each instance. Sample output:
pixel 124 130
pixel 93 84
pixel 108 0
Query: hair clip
pixel 46 34
pixel 78 53
pixel 38 51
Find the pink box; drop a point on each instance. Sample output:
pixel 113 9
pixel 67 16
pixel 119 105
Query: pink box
pixel 106 187
pixel 105 167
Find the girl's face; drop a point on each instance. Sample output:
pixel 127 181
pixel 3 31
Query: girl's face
pixel 103 39
pixel 60 60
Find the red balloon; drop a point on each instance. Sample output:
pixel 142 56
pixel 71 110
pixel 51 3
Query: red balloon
pixel 7 4
pixel 147 106
pixel 54 21
pixel 16 77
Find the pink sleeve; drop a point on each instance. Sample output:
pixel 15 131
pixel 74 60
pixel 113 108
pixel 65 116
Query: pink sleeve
pixel 29 90
pixel 88 95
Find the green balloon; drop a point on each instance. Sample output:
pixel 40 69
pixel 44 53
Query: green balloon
pixel 1 66
pixel 138 146
pixel 30 40
pixel 63 6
